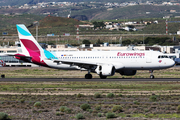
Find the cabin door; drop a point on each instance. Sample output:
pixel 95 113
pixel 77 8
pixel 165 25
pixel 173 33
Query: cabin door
pixel 148 57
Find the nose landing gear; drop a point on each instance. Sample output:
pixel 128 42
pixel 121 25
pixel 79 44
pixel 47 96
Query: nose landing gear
pixel 151 76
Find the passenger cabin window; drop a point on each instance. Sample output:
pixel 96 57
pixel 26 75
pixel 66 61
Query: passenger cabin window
pixel 163 56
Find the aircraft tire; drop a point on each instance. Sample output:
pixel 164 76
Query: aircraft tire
pixel 103 77
pixel 2 76
pixel 88 76
pixel 152 76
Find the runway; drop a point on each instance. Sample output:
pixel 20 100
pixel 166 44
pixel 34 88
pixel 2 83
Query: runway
pixel 82 79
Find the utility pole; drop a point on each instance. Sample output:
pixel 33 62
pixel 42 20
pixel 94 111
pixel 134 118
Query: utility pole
pixel 143 39
pixel 166 26
pixel 37 24
pixel 77 34
pixel 120 40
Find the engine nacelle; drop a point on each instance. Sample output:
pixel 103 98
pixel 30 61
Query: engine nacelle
pixel 105 70
pixel 127 72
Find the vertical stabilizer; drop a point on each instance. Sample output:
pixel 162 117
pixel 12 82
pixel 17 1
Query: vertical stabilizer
pixel 30 47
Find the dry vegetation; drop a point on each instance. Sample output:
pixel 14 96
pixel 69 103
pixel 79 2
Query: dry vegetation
pixel 88 100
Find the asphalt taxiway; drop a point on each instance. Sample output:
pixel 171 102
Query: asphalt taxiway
pixel 82 79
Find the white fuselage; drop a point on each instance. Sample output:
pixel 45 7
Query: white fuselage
pixel 135 60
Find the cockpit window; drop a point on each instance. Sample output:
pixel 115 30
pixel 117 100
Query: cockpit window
pixel 163 56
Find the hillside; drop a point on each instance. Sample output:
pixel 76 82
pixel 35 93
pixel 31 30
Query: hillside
pixel 47 25
pixel 8 23
pixel 58 25
pixel 21 2
pixel 10 20
pixel 131 12
pixel 61 25
pixel 102 13
pixel 51 21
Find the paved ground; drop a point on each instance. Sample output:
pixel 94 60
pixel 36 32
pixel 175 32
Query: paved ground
pixel 74 79
pixel 82 79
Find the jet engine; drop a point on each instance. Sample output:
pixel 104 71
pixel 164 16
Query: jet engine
pixel 105 70
pixel 127 72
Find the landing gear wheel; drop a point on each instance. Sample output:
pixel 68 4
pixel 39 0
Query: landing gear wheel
pixel 88 76
pixel 103 77
pixel 152 76
pixel 2 76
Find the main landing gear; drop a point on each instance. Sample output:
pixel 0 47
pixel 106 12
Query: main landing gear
pixel 102 77
pixel 151 76
pixel 88 76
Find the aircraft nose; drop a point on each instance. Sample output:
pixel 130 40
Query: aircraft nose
pixel 171 63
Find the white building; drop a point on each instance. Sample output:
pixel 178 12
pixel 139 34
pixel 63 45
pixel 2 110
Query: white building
pixel 178 32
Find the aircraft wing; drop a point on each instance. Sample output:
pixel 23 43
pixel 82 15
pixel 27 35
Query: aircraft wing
pixel 75 62
pixel 85 64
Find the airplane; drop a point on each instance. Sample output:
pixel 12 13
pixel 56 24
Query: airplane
pixel 104 63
